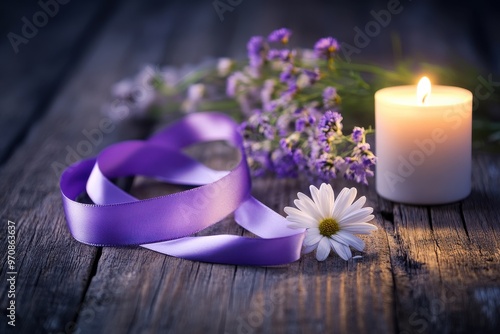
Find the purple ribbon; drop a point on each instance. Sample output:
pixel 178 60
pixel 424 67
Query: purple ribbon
pixel 166 223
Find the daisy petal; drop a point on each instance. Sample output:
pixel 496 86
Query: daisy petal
pixel 307 205
pixel 301 221
pixel 328 200
pixel 344 200
pixel 359 228
pixel 350 196
pixel 308 249
pixel 361 216
pixel 351 240
pixel 331 198
pixel 295 225
pixel 314 194
pixel 319 198
pixel 342 250
pixel 356 206
pixel 368 210
pixel 339 240
pixel 298 216
pixel 312 237
pixel 323 249
pixel 293 211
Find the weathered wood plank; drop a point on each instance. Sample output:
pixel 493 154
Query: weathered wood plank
pixel 441 263
pixel 54 270
pixel 33 76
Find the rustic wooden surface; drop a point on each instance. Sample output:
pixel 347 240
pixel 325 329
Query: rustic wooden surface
pixel 426 270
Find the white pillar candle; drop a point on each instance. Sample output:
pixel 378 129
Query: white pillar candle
pixel 423 143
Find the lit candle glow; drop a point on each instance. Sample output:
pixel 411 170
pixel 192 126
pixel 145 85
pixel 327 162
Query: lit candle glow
pixel 423 143
pixel 423 89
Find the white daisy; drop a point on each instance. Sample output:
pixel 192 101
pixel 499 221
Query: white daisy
pixel 330 223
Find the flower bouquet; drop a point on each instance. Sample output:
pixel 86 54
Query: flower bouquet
pixel 288 101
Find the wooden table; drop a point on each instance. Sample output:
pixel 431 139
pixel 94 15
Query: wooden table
pixel 426 270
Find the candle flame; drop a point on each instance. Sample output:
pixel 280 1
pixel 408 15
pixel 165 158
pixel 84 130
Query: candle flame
pixel 423 90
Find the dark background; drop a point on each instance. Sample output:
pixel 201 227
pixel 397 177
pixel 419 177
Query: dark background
pixel 463 36
pixel 435 31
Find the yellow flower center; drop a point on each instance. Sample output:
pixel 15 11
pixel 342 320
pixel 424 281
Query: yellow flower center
pixel 328 227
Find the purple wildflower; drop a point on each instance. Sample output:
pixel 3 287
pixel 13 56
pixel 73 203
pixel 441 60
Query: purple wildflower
pixel 287 73
pixel 274 54
pixel 305 118
pixel 361 149
pixel 330 122
pixel 280 35
pixel 292 89
pixel 133 99
pixel 288 94
pixel 313 76
pixel 257 50
pixel 283 164
pixel 256 46
pixel 123 89
pixel 300 124
pixel 243 127
pixel 267 92
pixel 311 119
pixel 359 169
pixel 285 124
pixel 340 164
pixel 300 159
pixel 326 47
pixel 285 145
pixel 233 81
pixel 360 164
pixel 149 77
pixel 258 159
pixel 268 130
pixel 271 105
pixel 284 55
pixel 357 134
pixel 330 97
pixel 329 126
pixel 325 170
pixel 289 144
pixel 261 124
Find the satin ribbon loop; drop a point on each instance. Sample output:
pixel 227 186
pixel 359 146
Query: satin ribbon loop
pixel 166 223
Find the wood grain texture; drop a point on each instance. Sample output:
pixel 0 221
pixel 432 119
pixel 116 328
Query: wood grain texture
pixel 445 260
pixel 32 77
pixel 426 270
pixel 53 271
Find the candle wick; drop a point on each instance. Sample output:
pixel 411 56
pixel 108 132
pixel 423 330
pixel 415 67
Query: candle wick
pixel 424 97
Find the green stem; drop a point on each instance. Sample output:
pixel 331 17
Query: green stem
pixel 366 68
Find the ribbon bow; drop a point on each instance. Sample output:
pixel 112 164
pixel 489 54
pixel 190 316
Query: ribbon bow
pixel 166 223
